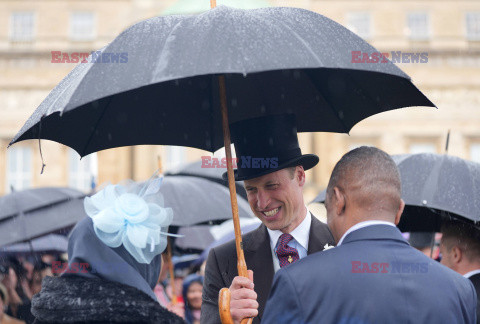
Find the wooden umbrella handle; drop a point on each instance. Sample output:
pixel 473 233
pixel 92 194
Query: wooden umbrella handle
pixel 224 297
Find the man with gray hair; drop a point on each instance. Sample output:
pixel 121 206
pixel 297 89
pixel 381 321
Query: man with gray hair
pixel 373 275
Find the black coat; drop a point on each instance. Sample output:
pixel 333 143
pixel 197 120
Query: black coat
pixel 83 300
pixel 221 266
pixel 476 283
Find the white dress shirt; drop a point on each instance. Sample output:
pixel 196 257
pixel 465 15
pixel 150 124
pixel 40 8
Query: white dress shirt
pixel 362 225
pixel 300 234
pixel 471 273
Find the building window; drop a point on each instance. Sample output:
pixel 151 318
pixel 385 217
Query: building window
pixel 422 148
pixel 472 20
pixel 19 170
pixel 418 26
pixel 82 26
pixel 359 23
pixel 82 172
pixel 475 152
pixel 22 26
pixel 175 155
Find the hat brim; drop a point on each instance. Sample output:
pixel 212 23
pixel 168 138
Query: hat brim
pixel 308 161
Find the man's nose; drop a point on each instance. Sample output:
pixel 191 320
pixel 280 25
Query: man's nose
pixel 263 199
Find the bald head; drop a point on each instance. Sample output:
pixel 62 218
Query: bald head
pixel 370 180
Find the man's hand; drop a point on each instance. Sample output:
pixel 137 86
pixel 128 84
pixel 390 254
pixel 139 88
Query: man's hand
pixel 178 308
pixel 243 302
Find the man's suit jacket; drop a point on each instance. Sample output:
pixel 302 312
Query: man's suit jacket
pixel 221 266
pixel 476 283
pixel 374 276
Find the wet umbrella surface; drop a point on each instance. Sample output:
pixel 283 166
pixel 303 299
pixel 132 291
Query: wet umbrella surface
pixel 436 187
pixel 275 60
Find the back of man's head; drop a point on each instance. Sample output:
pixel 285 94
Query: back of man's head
pixel 370 179
pixel 464 236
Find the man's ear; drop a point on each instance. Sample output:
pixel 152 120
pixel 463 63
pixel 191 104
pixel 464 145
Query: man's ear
pixel 457 254
pixel 399 212
pixel 300 174
pixel 339 201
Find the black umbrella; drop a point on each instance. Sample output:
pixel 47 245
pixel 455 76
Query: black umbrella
pixel 199 201
pixel 51 243
pixel 275 60
pixel 436 187
pixel 31 213
pixel 197 169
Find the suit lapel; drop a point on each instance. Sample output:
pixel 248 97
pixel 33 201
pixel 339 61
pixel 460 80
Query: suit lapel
pixel 319 236
pixel 258 257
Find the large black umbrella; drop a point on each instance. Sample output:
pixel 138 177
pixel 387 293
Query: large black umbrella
pixel 436 187
pixel 198 169
pixel 165 90
pixel 31 213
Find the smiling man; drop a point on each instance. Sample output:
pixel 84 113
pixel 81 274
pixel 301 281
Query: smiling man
pixel 272 167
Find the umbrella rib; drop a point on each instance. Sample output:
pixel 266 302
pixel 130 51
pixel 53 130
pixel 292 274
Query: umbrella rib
pixel 303 42
pixel 96 126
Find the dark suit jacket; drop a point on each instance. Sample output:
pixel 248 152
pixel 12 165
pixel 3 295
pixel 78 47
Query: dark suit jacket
pixel 375 276
pixel 221 266
pixel 476 283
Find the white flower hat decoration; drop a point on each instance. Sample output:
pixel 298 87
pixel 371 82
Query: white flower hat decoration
pixel 131 214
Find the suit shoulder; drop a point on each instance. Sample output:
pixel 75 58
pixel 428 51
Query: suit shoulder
pixel 228 249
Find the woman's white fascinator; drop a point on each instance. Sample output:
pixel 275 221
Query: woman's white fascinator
pixel 132 214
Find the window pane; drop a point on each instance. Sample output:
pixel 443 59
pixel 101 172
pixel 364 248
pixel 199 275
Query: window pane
pixel 359 23
pixel 475 152
pixel 472 20
pixel 82 173
pixel 82 26
pixel 418 26
pixel 19 174
pixel 22 26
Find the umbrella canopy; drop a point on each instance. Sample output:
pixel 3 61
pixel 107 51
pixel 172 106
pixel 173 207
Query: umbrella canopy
pixel 441 185
pixel 196 200
pixel 227 237
pixel 157 81
pixel 51 243
pixel 199 237
pixel 195 169
pixel 436 187
pixel 31 213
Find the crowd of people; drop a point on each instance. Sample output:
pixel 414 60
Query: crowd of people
pixel 357 268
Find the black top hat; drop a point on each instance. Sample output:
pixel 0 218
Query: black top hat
pixel 267 144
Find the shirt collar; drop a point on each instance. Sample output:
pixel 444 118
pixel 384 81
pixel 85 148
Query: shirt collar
pixel 471 273
pixel 362 225
pixel 301 233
